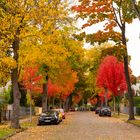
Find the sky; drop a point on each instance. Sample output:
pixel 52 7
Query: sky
pixel 133 35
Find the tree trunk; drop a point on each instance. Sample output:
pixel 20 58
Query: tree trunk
pixel 53 101
pixel 118 105
pixel 44 98
pixel 15 88
pixel 67 104
pixel 130 93
pixel 30 94
pixel 114 104
pixel 60 104
pixel 106 100
pixel 0 116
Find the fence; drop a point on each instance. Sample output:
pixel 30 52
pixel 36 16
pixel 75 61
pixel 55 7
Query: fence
pixel 125 109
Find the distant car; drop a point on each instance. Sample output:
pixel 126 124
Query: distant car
pixel 72 109
pixel 97 110
pixel 49 117
pixel 105 111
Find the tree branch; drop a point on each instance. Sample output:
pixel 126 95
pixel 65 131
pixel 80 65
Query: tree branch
pixel 136 8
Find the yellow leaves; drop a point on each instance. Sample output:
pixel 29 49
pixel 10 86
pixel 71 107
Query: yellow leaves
pixel 40 29
pixel 8 62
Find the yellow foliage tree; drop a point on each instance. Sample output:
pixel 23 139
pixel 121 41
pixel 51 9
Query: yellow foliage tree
pixel 29 29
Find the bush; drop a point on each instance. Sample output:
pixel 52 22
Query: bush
pixel 137 101
pixel 138 110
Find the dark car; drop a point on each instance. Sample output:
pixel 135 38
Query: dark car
pixel 49 117
pixel 105 111
pixel 97 110
pixel 92 108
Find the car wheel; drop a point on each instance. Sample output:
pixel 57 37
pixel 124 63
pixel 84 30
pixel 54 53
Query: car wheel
pixel 39 124
pixel 56 123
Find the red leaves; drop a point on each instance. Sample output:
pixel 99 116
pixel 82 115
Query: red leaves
pixel 102 96
pixel 53 89
pixel 31 80
pixel 111 76
pixel 93 101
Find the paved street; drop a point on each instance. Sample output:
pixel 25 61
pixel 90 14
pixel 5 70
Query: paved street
pixel 82 126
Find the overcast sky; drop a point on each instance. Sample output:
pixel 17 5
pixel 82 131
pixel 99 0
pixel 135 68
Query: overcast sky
pixel 133 34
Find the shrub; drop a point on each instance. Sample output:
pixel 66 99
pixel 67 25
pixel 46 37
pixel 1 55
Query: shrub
pixel 138 110
pixel 137 101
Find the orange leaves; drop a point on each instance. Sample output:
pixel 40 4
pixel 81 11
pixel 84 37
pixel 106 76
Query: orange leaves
pixel 31 80
pixel 64 84
pixel 102 36
pixel 109 26
pixel 96 11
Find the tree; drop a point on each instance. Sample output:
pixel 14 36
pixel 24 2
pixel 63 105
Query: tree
pixel 53 89
pixel 32 82
pixel 31 34
pixel 66 80
pixel 136 6
pixel 114 14
pixel 111 77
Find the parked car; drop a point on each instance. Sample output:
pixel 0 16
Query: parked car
pixel 105 111
pixel 72 109
pixel 93 108
pixel 97 110
pixel 49 117
pixel 61 113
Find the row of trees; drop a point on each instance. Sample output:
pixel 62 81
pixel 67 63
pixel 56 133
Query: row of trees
pixel 111 14
pixel 37 48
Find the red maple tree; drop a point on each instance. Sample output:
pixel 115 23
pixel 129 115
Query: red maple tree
pixel 31 80
pixel 111 76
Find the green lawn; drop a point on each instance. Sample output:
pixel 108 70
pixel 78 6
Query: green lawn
pixel 6 131
pixel 124 117
pixel 135 122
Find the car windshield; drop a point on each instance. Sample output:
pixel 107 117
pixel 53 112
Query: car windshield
pixel 105 108
pixel 48 113
pixel 60 110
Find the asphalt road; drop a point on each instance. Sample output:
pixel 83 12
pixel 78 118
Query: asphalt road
pixel 82 126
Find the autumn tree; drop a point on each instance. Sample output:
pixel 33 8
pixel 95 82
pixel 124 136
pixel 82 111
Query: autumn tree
pixel 32 83
pixel 112 14
pixel 66 80
pixel 111 77
pixel 29 34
